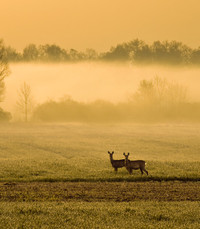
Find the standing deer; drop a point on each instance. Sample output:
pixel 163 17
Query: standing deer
pixel 138 164
pixel 116 163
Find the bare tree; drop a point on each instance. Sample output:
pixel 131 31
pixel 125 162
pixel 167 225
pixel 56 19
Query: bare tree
pixel 160 92
pixel 25 101
pixel 4 71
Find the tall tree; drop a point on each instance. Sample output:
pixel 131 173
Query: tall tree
pixel 4 70
pixel 30 53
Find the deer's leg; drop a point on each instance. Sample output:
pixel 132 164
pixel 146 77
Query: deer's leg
pixel 141 171
pixel 146 171
pixel 128 169
pixel 115 169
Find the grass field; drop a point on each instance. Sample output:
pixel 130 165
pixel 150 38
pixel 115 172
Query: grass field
pixel 70 152
pixel 137 214
pixel 60 176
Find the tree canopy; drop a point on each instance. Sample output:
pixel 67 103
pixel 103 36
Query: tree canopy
pixel 135 51
pixel 4 72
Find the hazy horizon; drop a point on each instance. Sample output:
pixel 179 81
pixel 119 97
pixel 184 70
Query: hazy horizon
pixel 87 82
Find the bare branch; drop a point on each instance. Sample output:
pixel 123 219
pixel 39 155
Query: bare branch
pixel 25 101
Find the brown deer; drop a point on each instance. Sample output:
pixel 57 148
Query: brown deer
pixel 138 164
pixel 116 163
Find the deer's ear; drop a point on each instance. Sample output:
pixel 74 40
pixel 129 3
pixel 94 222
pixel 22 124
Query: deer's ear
pixel 112 152
pixel 124 154
pixel 128 154
pixel 108 152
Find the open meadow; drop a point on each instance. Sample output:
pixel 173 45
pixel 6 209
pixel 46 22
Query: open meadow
pixel 113 215
pixel 60 176
pixel 79 152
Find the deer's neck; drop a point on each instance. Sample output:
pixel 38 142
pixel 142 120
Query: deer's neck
pixel 111 158
pixel 126 161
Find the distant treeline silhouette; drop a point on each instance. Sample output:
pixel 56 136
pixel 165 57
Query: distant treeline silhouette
pixel 136 51
pixel 156 100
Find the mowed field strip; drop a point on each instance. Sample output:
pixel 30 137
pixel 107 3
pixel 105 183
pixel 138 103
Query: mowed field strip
pixel 100 191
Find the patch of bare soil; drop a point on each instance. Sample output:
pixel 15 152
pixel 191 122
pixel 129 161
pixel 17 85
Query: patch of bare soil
pixel 100 191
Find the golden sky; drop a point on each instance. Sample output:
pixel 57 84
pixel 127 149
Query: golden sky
pixel 98 24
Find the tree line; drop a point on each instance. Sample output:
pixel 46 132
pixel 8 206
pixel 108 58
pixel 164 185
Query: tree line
pixel 135 51
pixel 155 100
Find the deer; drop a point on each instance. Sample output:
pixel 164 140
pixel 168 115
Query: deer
pixel 116 163
pixel 137 164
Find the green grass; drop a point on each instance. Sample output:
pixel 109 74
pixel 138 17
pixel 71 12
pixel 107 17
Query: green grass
pixel 75 152
pixel 78 152
pixel 100 215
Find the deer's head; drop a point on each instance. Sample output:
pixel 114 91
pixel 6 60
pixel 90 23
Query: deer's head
pixel 126 157
pixel 111 153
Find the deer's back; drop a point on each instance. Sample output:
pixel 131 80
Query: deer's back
pixel 136 164
pixel 118 163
